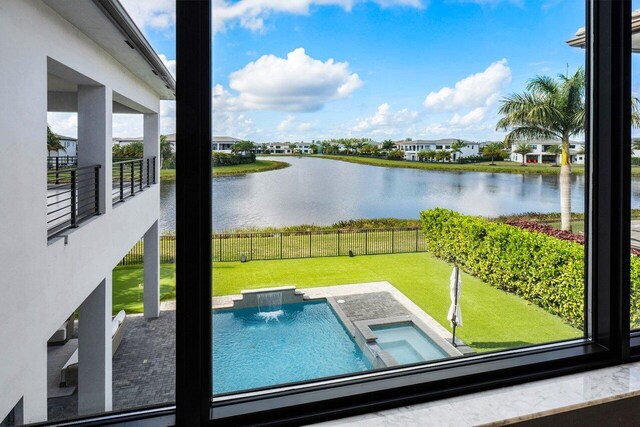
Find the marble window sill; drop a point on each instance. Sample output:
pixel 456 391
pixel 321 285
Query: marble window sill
pixel 511 404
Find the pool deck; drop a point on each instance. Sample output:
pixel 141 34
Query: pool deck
pixel 144 366
pixel 365 302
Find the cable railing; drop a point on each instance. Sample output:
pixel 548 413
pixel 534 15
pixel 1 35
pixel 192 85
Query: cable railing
pixel 130 177
pixel 73 195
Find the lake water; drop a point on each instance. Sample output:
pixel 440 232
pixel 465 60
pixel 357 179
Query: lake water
pixel 321 191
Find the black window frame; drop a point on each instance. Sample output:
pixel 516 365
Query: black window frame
pixel 607 252
pixel 607 287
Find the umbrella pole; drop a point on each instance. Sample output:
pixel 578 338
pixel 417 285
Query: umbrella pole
pixel 455 311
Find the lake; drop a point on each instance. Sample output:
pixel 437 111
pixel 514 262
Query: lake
pixel 321 191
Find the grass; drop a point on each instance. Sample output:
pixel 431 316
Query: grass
pixel 257 166
pixel 493 319
pixel 499 167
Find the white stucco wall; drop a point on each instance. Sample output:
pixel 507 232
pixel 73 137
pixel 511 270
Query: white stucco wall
pixel 42 282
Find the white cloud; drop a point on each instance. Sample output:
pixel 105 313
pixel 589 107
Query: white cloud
pixel 152 14
pixel 289 123
pixel 474 116
pixel 169 63
pixel 384 120
pixel 477 90
pixel 227 119
pixel 251 14
pixel 297 83
pixel 63 123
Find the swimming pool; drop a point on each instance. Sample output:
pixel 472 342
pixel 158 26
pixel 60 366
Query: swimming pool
pixel 407 344
pixel 304 341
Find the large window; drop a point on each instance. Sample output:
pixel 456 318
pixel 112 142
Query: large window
pixel 366 255
pixel 357 218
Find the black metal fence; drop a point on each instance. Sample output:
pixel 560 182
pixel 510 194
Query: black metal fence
pixel 132 176
pixel 57 163
pixel 296 244
pixel 72 196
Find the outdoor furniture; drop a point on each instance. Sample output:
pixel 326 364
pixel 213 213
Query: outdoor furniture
pixel 62 335
pixel 69 372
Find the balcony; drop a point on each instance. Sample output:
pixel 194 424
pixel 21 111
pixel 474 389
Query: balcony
pixel 73 193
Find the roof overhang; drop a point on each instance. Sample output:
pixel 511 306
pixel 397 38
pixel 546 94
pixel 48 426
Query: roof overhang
pixel 579 39
pixel 108 24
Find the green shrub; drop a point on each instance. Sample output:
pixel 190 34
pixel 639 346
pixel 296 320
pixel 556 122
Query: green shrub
pixel 541 269
pixel 230 159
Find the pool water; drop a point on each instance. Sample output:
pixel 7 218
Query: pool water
pixel 407 344
pixel 304 341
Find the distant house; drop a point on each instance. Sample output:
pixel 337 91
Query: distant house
pixel 127 141
pixel 69 144
pixel 223 144
pixel 540 152
pixel 412 148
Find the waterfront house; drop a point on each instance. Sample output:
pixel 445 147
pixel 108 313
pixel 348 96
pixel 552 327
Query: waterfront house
pixel 223 144
pixel 540 152
pixel 412 148
pixel 69 144
pixel 88 58
pixel 287 148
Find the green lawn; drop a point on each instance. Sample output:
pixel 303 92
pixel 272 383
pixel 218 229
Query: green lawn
pixel 499 167
pixel 493 319
pixel 257 166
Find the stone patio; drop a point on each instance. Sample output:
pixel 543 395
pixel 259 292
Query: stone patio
pixel 144 365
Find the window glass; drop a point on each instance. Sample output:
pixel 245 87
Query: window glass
pixel 365 254
pixel 635 167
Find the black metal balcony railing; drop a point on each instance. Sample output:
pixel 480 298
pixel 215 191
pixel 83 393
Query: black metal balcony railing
pixel 57 163
pixel 73 195
pixel 132 176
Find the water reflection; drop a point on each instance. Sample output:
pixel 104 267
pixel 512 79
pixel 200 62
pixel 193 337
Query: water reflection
pixel 319 191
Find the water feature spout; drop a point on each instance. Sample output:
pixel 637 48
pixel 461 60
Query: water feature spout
pixel 270 305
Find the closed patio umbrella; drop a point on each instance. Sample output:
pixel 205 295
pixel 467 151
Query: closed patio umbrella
pixel 455 313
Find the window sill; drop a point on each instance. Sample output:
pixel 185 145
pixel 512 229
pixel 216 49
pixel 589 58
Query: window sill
pixel 515 403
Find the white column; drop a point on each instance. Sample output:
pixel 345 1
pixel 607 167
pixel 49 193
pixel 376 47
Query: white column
pixel 94 351
pixel 152 142
pixel 152 272
pixel 95 115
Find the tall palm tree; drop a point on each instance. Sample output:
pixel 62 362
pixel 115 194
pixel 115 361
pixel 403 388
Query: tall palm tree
pixel 456 148
pixel 53 142
pixel 550 108
pixel 493 150
pixel 523 149
pixel 166 149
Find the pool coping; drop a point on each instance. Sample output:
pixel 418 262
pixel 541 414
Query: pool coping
pixel 331 294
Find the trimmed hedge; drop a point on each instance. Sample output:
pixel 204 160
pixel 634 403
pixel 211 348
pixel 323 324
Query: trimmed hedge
pixel 478 159
pixel 544 270
pixel 230 159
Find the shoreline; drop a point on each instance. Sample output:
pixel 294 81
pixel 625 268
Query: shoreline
pixel 235 170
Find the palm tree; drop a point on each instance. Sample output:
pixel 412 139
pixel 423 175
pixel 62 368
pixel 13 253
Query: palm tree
pixel 166 149
pixel 548 109
pixel 431 154
pixel 456 148
pixel 388 145
pixel 523 149
pixel 53 142
pixel 556 150
pixel 493 150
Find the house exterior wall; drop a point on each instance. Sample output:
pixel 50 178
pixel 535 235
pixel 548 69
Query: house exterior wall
pixel 412 148
pixel 44 281
pixel 539 155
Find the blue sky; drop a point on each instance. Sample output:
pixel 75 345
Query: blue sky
pixel 385 69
